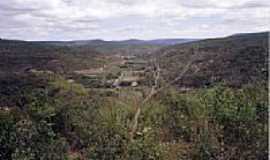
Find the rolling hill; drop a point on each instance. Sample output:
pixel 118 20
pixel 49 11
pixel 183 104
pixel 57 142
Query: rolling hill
pixel 127 47
pixel 17 56
pixel 66 56
pixel 235 60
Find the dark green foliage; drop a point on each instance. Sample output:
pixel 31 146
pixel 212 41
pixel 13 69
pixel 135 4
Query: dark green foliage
pixel 38 141
pixel 235 60
pixel 33 130
pixel 57 120
pixel 22 138
pixel 7 135
pixel 21 56
pixel 111 139
pixel 221 122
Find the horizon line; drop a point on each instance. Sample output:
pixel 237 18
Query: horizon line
pixel 138 39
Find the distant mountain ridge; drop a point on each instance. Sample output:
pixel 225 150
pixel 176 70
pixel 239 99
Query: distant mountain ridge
pixel 97 42
pixel 126 47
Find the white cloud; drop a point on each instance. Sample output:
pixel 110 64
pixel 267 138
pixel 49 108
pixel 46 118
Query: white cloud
pixel 120 19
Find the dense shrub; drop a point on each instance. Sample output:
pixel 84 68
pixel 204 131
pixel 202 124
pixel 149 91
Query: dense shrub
pixel 22 138
pixel 221 122
pixel 62 120
pixel 112 139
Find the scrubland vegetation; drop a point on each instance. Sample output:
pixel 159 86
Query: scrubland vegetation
pixel 60 120
pixel 55 114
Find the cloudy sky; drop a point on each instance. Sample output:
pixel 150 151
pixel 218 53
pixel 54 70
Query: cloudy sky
pixel 125 19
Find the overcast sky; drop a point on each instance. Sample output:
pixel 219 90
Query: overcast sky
pixel 125 19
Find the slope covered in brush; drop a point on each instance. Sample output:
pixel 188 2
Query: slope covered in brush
pixel 235 60
pixel 18 56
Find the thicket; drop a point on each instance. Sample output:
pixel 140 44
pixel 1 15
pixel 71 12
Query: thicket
pixel 62 120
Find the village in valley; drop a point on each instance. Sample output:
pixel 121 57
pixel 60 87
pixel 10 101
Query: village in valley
pixel 122 72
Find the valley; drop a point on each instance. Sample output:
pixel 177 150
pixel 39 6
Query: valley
pixel 139 100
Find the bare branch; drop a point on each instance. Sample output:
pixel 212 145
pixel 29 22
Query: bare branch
pixel 155 90
pixel 152 92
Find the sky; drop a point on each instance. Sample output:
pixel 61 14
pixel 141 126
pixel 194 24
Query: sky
pixel 130 19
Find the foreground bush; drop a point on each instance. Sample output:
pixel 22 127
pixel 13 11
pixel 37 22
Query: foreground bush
pixel 221 122
pixel 61 120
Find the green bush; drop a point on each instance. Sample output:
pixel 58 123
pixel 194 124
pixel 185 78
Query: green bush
pixel 22 138
pixel 112 141
pixel 61 120
pixel 219 121
pixel 7 135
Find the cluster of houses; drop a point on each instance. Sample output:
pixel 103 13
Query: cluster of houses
pixel 132 73
pixel 135 72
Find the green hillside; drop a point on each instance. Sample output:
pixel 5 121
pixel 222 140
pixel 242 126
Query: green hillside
pixel 18 56
pixel 235 60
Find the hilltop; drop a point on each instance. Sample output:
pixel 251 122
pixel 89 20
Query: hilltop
pixel 127 47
